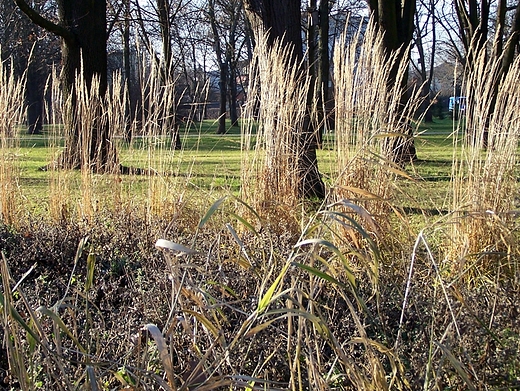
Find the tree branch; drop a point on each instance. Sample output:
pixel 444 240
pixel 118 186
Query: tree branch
pixel 36 18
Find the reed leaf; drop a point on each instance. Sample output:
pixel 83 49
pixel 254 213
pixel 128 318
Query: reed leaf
pixel 164 244
pixel 267 298
pixel 59 322
pixel 210 326
pixel 350 275
pixel 216 205
pixel 457 365
pixel 164 354
pixel 91 265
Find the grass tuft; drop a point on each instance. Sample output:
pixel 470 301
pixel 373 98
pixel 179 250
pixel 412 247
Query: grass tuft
pixel 484 181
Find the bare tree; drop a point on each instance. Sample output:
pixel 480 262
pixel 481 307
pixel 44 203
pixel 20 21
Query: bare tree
pixel 223 68
pixel 318 59
pixel 33 51
pixel 426 40
pixel 156 20
pixel 477 21
pixel 82 29
pixel 226 19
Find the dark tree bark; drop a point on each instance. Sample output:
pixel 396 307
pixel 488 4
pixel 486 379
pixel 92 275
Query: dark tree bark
pixel 473 27
pixel 170 118
pixel 318 58
pixel 323 48
pixel 395 18
pixel 34 97
pixel 129 102
pixel 231 59
pixel 222 86
pixel 233 110
pixel 224 45
pixel 82 28
pixel 511 46
pixel 282 19
pixel 31 53
pixel 34 88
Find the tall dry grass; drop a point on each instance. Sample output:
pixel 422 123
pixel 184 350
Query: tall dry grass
pixel 370 119
pixel 75 120
pixel 484 180
pixel 145 175
pixel 12 114
pixel 285 325
pixel 276 110
pixel 154 135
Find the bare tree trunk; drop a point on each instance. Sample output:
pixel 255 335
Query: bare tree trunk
pixel 426 70
pixel 87 51
pixel 34 97
pixel 233 112
pixel 324 66
pixel 170 118
pixel 222 84
pixel 223 69
pixel 129 108
pixel 474 19
pixel 232 63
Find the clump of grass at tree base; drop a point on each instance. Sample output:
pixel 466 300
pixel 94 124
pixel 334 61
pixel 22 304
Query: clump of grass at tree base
pixel 289 293
pixel 278 91
pixel 169 173
pixel 484 236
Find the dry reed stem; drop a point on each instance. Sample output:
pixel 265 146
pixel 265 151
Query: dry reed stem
pixel 151 185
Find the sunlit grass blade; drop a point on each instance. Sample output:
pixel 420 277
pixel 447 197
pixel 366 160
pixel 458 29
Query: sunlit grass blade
pixel 216 205
pixel 267 298
pixel 335 250
pixel 169 245
pixel 210 326
pixel 91 265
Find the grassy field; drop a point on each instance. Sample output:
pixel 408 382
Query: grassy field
pixel 213 162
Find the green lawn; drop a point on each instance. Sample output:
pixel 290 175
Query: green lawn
pixel 212 162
